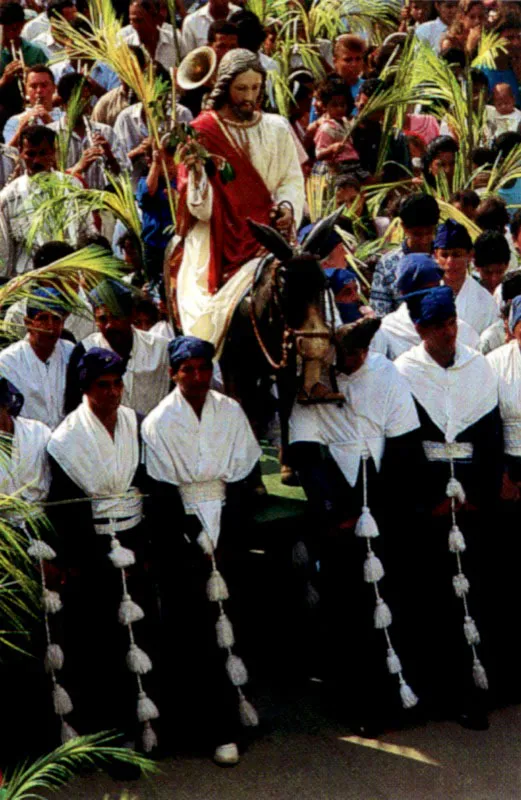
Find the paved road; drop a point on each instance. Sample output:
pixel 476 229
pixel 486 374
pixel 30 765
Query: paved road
pixel 308 757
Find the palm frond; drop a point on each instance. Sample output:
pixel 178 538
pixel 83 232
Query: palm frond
pixel 57 768
pixel 490 46
pixel 92 263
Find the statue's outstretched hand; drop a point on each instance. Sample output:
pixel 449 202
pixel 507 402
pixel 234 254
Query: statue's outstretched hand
pixel 191 159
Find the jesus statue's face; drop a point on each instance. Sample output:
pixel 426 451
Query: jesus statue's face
pixel 244 94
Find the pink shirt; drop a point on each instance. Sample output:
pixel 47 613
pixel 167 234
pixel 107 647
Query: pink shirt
pixel 330 132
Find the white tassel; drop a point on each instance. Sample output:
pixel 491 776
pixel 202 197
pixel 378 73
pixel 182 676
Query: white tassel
pixel 146 708
pixel 373 569
pixel 149 738
pixel 382 615
pixel 312 596
pixel 456 540
pixel 471 631
pixel 53 657
pixel 39 549
pixel 366 526
pixel 138 661
pixel 393 662
pixel 236 670
pixel 205 543
pixel 461 584
pixel 300 555
pixel 61 701
pixel 216 588
pixel 51 601
pixel 248 714
pixel 121 556
pixel 479 674
pixel 224 629
pixel 129 611
pixel 407 695
pixel 456 490
pixel 67 732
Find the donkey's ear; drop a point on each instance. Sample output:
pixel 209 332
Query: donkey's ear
pixel 317 242
pixel 271 240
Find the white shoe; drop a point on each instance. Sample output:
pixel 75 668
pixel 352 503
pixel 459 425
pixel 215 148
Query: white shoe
pixel 226 754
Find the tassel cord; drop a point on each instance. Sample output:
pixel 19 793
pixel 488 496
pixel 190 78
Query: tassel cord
pixel 401 680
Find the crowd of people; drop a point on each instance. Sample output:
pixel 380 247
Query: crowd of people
pixel 126 424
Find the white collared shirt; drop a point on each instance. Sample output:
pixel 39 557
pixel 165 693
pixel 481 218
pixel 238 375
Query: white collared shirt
pixel 196 26
pixel 378 405
pixel 11 126
pixel 165 49
pixel 42 384
pixel 431 33
pixel 36 26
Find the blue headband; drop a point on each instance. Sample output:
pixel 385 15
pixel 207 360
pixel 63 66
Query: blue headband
pixel 10 397
pixel 415 272
pixel 97 362
pixel 432 305
pixel 338 278
pixel 183 347
pixel 451 235
pixel 46 298
pixel 118 297
pixel 515 313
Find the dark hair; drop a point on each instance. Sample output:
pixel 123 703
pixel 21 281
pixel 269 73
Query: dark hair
pixel 509 21
pixel 82 25
pixel 348 41
pixel 467 197
pixel 492 214
pixel 37 134
pixel 419 209
pixel 68 84
pixel 49 252
pixel 55 7
pixel 11 13
pixel 223 27
pixel 371 86
pixel 154 7
pixel 39 69
pixel 479 78
pixel 356 335
pixel 491 247
pixel 146 306
pixel 250 30
pixel 454 56
pixel 441 144
pixel 335 87
pixel 511 285
pixel 505 143
pixel 483 156
pixel 515 223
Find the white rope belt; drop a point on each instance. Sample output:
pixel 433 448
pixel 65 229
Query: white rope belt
pixel 201 492
pixel 118 513
pixel 445 451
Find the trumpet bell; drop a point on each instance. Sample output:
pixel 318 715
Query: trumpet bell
pixel 196 68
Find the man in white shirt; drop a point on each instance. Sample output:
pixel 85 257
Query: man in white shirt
pixel 146 378
pixel 416 272
pixel 93 148
pixel 148 31
pixel 196 24
pixel 41 25
pixel 21 198
pixel 37 364
pixel 432 32
pixel 453 252
pixel 39 93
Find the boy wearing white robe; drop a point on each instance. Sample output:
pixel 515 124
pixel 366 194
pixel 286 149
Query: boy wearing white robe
pixel 199 447
pixel 37 365
pixel 348 457
pixel 459 475
pixel 146 378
